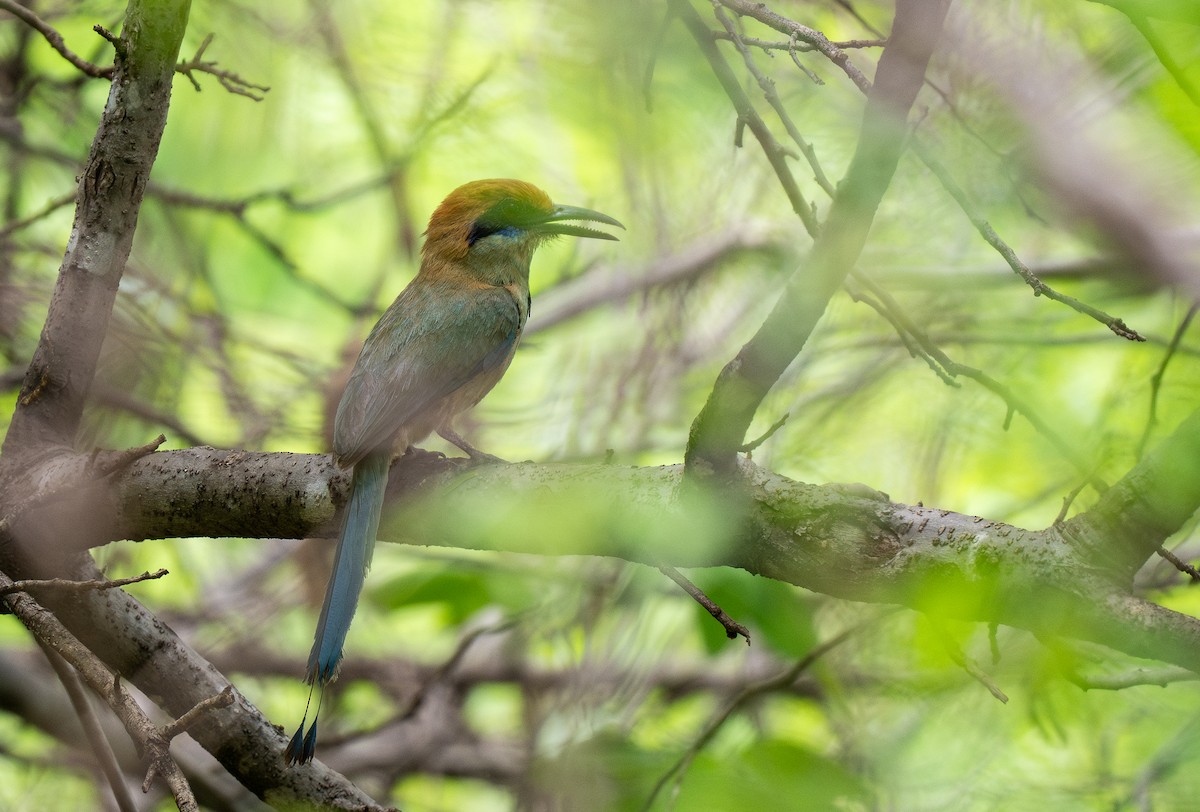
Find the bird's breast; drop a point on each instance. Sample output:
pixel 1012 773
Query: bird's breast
pixel 473 390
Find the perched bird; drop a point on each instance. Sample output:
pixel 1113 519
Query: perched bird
pixel 440 347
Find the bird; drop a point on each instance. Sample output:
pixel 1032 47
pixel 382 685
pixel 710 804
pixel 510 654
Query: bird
pixel 436 351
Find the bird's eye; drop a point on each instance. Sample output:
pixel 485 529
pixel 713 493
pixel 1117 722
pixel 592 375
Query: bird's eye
pixel 481 229
pixel 507 217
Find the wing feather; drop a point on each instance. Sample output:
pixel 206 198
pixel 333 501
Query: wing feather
pixel 429 344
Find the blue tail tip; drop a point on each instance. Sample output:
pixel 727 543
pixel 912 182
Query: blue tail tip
pixel 302 747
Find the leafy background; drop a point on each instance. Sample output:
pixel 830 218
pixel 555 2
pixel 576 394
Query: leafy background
pixel 277 229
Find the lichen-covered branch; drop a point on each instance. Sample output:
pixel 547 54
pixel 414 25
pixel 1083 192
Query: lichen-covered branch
pixel 1072 579
pixel 846 541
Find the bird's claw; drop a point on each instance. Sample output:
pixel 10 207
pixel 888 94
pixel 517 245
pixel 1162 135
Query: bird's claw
pixel 477 456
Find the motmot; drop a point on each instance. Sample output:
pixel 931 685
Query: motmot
pixel 435 352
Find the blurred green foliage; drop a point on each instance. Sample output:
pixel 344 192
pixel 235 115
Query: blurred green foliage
pixel 276 230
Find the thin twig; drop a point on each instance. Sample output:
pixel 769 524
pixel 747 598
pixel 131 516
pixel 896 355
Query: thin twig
pixel 115 41
pixel 811 36
pixel 1068 500
pixel 180 725
pixel 228 79
pixel 1179 563
pixel 746 694
pixel 955 652
pixel 792 45
pixel 101 748
pixel 732 627
pixel 776 426
pixel 794 52
pixel 1040 288
pixel 1157 378
pixel 772 96
pixel 1014 403
pixel 48 629
pixel 81 586
pixel 118 461
pixel 55 39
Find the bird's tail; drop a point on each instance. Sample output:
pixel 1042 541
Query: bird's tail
pixel 353 557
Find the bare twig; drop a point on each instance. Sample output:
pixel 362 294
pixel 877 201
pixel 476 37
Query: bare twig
pixel 744 696
pixel 772 96
pixel 117 462
pixel 1179 563
pixel 113 39
pixel 1069 500
pixel 83 586
pixel 50 632
pixel 1157 378
pixel 818 41
pixel 766 435
pixel 732 627
pixel 228 79
pixel 1040 288
pixel 101 749
pixel 794 45
pixel 955 653
pixel 55 39
pixel 180 725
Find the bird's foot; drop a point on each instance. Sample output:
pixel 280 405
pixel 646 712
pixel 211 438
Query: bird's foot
pixel 471 451
pixel 412 453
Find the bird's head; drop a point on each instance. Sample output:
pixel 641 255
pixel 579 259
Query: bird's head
pixel 491 218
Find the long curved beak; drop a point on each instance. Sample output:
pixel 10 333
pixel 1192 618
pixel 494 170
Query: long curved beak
pixel 553 223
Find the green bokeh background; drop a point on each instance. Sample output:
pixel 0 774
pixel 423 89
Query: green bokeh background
pixel 276 230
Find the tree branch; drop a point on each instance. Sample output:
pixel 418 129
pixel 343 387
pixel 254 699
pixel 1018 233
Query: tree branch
pixel 142 649
pixel 1071 579
pixel 845 541
pixel 1152 501
pixel 747 115
pixel 107 203
pixel 51 633
pixel 720 427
